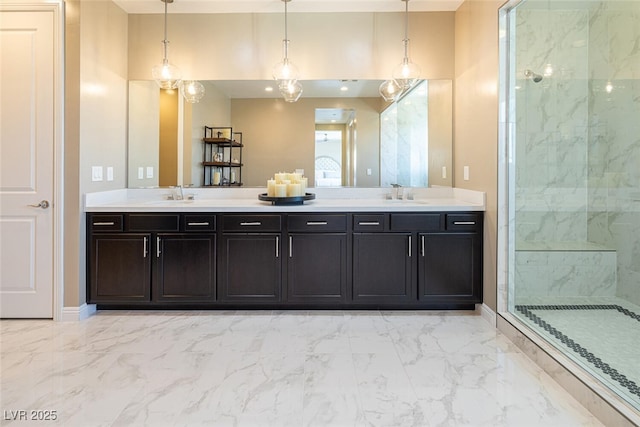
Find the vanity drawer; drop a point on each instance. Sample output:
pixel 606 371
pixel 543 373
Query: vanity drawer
pixel 368 223
pixel 106 223
pixel 199 222
pixel 317 223
pixel 464 222
pixel 153 222
pixel 416 222
pixel 251 223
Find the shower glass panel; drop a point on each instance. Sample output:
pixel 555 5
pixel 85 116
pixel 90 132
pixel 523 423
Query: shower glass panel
pixel 572 72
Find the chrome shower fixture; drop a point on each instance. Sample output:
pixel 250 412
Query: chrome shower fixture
pixel 537 78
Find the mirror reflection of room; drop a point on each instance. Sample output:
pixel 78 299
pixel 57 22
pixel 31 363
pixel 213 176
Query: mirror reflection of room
pixel 280 136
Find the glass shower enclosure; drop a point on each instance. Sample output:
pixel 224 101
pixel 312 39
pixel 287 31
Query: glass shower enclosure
pixel 570 181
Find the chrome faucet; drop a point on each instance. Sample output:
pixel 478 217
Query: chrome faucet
pixel 177 195
pixel 397 191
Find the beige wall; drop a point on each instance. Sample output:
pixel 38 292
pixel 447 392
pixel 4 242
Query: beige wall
pixel 143 132
pixel 280 136
pixel 95 120
pixel 73 214
pixel 440 112
pixel 476 118
pixel 323 45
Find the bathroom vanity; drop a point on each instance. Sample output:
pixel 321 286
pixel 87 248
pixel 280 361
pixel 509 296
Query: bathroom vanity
pixel 347 248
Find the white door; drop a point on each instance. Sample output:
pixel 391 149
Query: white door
pixel 27 146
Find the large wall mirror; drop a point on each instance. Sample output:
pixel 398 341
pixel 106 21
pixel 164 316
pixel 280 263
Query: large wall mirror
pixel 408 142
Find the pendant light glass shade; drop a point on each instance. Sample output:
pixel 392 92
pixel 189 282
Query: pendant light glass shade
pixel 390 90
pixel 285 72
pixel 291 91
pixel 406 74
pixel 166 75
pixel 192 90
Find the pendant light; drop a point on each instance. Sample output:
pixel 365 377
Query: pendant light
pixel 285 72
pixel 192 90
pixel 166 75
pixel 407 73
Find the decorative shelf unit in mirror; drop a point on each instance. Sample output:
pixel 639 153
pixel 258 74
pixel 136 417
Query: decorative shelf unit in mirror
pixel 221 157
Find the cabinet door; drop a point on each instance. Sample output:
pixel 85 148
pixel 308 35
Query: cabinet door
pixel 317 268
pixel 383 268
pixel 450 268
pixel 185 268
pixel 119 268
pixel 250 268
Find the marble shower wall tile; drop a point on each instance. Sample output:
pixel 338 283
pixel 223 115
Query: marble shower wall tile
pixel 565 273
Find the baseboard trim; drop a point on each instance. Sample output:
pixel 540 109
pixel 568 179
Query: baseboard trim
pixel 71 314
pixel 488 314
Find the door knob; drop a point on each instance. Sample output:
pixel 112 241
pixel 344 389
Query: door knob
pixel 43 204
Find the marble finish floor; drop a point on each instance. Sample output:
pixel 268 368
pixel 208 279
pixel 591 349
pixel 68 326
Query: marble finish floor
pixel 272 368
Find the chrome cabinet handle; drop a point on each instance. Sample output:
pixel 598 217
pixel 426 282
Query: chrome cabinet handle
pixel 108 223
pixel 464 223
pixel 290 247
pixel 157 247
pixel 144 248
pixel 251 223
pixel 277 247
pixel 197 223
pixel 317 223
pixel 369 223
pixel 409 246
pixel 422 250
pixel 44 204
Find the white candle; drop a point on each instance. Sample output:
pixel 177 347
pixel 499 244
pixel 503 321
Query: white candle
pixel 293 190
pixel 271 187
pixel 303 185
pixel 216 178
pixel 233 177
pixel 281 190
pixel 280 177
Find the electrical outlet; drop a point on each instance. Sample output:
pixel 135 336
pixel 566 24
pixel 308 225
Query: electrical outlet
pixel 444 171
pixel 149 171
pixel 369 171
pixel 110 173
pixel 465 172
pixel 96 173
pixel 140 172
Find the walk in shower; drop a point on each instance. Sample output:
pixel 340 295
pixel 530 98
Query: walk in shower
pixel 570 181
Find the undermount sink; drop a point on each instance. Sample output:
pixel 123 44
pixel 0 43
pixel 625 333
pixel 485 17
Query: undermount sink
pixel 178 202
pixel 408 201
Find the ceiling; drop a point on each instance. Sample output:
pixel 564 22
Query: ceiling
pixel 273 6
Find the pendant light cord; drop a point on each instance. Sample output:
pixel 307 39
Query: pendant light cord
pixel 285 42
pixel 406 30
pixel 165 42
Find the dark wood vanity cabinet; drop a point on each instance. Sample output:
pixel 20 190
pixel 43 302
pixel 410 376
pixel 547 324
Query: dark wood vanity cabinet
pixel 450 262
pixel 317 258
pixel 383 270
pixel 250 262
pixel 285 260
pixel 119 268
pixel 151 258
pixel 185 268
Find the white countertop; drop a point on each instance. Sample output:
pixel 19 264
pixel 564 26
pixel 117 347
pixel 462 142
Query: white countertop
pixel 246 200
